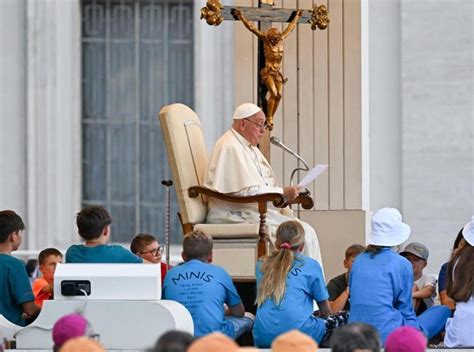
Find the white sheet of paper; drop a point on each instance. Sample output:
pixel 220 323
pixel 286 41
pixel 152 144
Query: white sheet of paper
pixel 312 175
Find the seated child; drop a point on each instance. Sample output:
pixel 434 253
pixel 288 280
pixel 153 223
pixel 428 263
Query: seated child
pixel 338 287
pixel 294 341
pixel 459 243
pixel 215 342
pixel 287 284
pixel 355 337
pixel 424 286
pixel 16 297
pixel 32 269
pixel 460 328
pixel 406 339
pixel 381 282
pixel 173 341
pixel 93 224
pixel 204 288
pixel 147 247
pixel 43 286
pixel 69 327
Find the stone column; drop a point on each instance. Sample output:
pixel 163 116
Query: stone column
pixel 13 106
pixel 53 130
pixel 214 72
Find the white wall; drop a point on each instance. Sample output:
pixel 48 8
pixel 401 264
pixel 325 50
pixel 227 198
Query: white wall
pixel 384 103
pixel 13 106
pixel 437 120
pixel 421 116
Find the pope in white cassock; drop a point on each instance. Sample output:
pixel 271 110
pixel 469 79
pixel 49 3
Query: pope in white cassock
pixel 237 167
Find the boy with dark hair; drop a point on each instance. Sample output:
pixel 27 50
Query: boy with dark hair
pixel 355 337
pixel 147 247
pixel 43 286
pixel 204 288
pixel 16 297
pixel 173 341
pixel 93 224
pixel 338 288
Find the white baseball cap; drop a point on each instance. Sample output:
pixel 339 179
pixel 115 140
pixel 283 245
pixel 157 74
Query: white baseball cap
pixel 245 110
pixel 388 228
pixel 468 232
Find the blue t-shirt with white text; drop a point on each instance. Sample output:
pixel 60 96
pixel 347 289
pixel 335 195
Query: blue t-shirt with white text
pixel 203 289
pixel 304 283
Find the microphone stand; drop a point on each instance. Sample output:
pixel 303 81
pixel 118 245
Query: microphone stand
pixel 279 143
pixel 167 184
pixel 306 168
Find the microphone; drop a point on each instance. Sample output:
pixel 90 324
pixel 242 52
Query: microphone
pixel 276 141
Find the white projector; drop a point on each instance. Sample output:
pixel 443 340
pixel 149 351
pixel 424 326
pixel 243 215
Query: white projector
pixel 129 282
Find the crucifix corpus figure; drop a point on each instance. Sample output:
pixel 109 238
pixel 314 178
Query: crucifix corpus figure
pixel 273 52
pixel 270 51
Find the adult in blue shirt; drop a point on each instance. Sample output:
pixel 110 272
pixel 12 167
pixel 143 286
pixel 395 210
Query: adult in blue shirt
pixel 93 224
pixel 381 282
pixel 204 288
pixel 287 284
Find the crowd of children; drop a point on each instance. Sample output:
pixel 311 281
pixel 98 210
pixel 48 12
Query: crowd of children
pixel 400 295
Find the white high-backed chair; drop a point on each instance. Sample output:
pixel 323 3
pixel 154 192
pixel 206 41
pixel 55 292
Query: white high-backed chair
pixel 236 246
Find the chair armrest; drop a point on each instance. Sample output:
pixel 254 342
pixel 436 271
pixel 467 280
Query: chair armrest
pixel 305 200
pixel 278 199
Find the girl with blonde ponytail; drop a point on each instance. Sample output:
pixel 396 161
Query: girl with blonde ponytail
pixel 287 284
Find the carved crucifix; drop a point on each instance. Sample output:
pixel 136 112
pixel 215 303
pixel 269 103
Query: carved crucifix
pixel 270 53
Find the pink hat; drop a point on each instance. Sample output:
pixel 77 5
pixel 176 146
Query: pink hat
pixel 406 339
pixel 68 327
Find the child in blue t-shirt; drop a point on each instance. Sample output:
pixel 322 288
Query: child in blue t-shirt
pixel 16 296
pixel 93 224
pixel 204 288
pixel 287 284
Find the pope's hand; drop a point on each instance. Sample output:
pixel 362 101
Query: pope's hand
pixel 291 192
